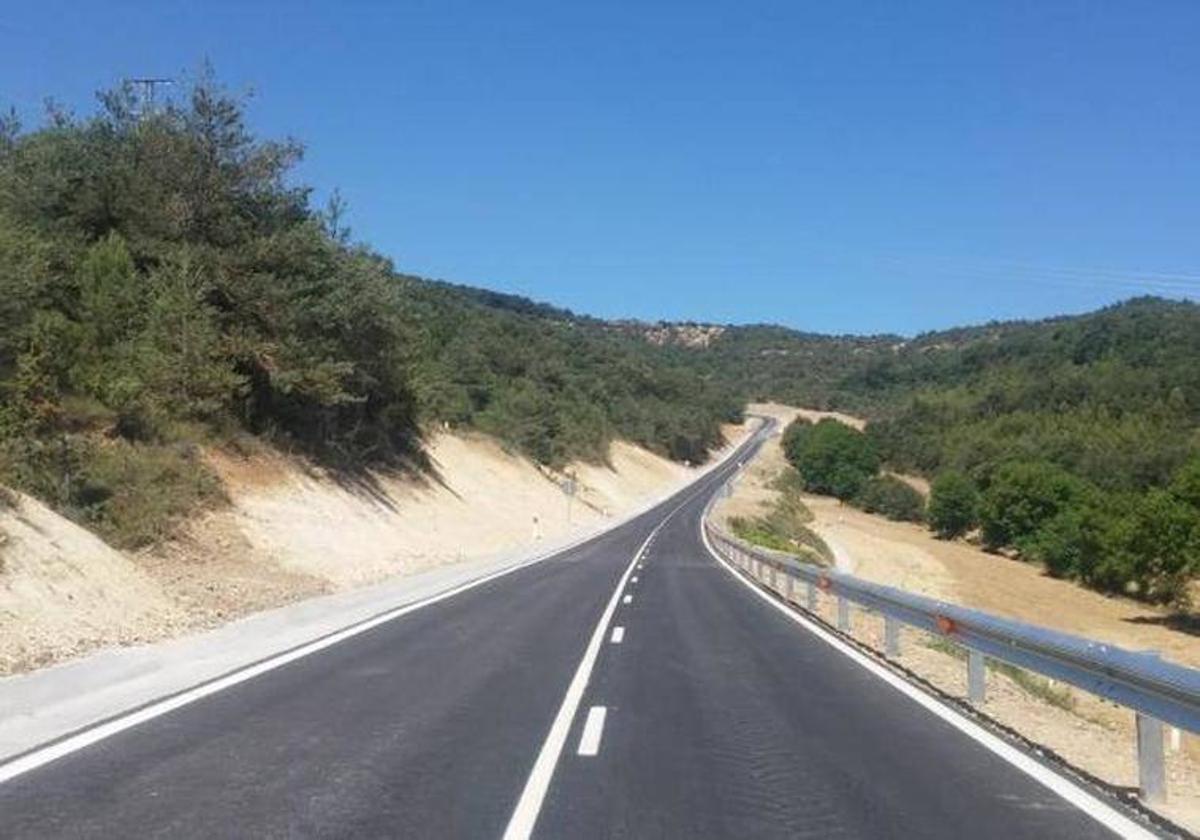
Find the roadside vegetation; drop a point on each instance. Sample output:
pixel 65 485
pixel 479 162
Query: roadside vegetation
pixel 785 526
pixel 835 460
pixel 1144 544
pixel 1035 685
pixel 165 286
pixel 1073 442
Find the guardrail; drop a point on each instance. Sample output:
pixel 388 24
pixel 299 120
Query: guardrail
pixel 1157 691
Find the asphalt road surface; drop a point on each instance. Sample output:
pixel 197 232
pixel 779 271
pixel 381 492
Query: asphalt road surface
pixel 714 715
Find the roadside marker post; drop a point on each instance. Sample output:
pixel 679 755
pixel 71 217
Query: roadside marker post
pixel 1152 771
pixel 891 637
pixel 976 677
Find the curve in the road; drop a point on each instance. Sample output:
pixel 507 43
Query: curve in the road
pixel 721 717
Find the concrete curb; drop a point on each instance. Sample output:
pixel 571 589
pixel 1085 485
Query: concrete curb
pixel 46 705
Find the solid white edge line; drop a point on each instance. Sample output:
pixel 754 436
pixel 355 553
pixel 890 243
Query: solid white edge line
pixel 529 806
pixel 1085 801
pixel 40 756
pixel 593 730
pixel 44 755
pixel 618 635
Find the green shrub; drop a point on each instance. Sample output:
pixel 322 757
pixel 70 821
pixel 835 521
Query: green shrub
pixel 833 458
pixel 953 508
pixel 1156 548
pixel 1075 542
pixel 1020 498
pixel 133 494
pixel 893 498
pixel 793 437
pixel 1185 484
pixel 784 528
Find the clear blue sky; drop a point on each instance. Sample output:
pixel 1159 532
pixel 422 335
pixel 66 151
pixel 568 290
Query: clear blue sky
pixel 835 166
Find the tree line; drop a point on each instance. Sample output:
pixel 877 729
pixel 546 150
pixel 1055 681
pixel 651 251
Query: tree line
pixel 166 285
pixel 1144 544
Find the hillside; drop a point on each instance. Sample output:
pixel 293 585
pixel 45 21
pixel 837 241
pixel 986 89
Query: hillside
pixel 167 288
pixel 290 532
pixel 1070 441
pixel 1112 396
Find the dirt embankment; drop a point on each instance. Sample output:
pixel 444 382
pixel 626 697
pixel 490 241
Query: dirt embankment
pixel 908 556
pixel 1088 732
pixel 291 532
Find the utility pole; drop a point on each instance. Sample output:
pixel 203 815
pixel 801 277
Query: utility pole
pixel 147 87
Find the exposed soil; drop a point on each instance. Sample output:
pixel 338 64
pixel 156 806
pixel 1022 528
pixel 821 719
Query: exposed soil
pixel 64 591
pixel 291 532
pixel 1092 734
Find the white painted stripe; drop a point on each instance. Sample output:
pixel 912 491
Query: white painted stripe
pixel 71 743
pixel 628 599
pixel 525 814
pixel 593 729
pixel 1076 795
pixel 633 579
pixel 618 635
pixel 44 755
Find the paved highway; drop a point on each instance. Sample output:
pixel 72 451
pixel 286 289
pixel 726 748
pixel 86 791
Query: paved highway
pixel 609 691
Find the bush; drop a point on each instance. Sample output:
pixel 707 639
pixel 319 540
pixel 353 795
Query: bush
pixel 793 437
pixel 953 505
pixel 133 494
pixel 1020 498
pixel 1156 548
pixel 1075 542
pixel 833 458
pixel 893 498
pixel 1185 484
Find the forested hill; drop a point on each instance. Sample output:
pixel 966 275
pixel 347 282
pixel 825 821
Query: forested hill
pixel 164 284
pixel 1074 441
pixel 1113 395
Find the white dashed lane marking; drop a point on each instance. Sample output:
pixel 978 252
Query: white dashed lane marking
pixel 593 729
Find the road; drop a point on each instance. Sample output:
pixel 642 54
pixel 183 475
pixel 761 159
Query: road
pixel 721 718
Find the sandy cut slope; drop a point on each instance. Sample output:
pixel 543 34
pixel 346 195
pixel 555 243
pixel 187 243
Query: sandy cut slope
pixel 292 531
pixel 63 590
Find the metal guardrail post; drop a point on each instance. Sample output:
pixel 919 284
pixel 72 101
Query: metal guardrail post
pixel 976 677
pixel 1152 771
pixel 891 636
pixel 1162 693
